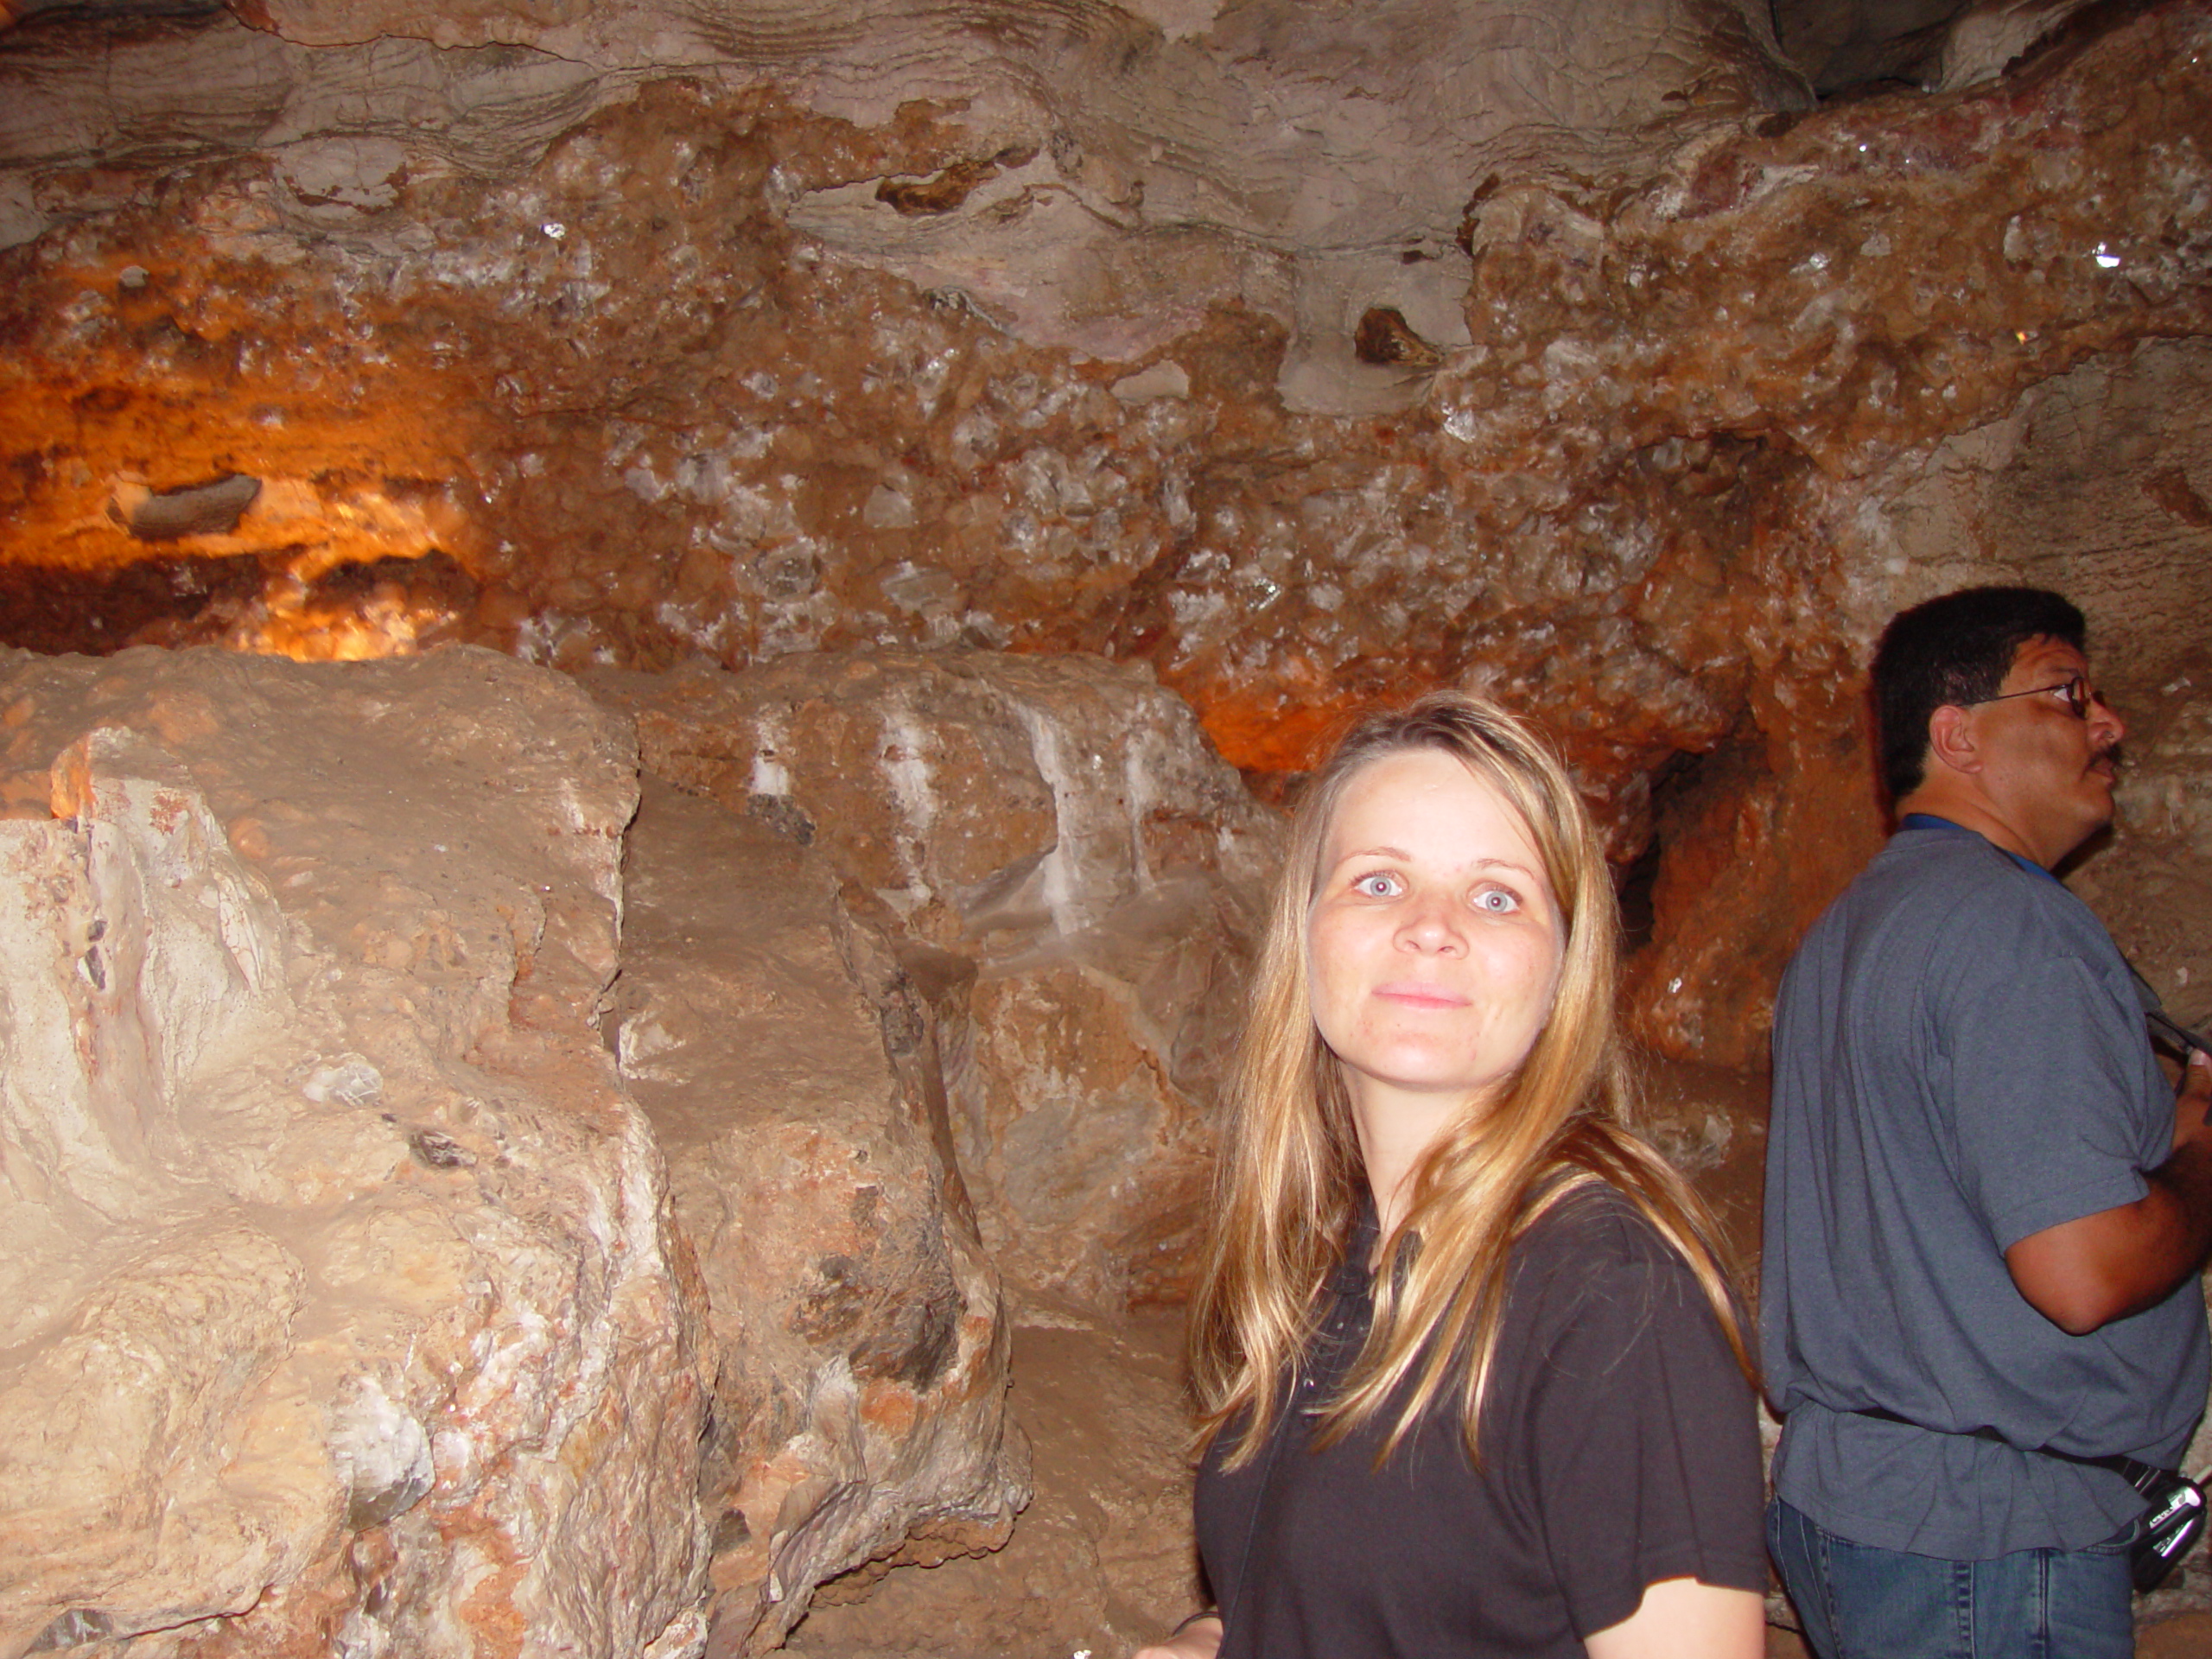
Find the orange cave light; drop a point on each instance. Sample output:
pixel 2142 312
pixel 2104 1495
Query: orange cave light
pixel 337 563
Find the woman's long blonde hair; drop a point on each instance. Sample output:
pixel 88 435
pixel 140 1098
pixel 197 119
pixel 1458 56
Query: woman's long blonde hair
pixel 1290 1181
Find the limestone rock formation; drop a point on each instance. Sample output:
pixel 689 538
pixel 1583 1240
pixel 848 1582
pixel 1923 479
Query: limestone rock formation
pixel 1069 873
pixel 341 1309
pixel 2153 887
pixel 1119 168
pixel 792 1076
pixel 1843 45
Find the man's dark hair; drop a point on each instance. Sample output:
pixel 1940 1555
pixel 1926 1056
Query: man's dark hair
pixel 1955 650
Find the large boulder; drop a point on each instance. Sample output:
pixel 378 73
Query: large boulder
pixel 791 1074
pixel 341 1308
pixel 1070 874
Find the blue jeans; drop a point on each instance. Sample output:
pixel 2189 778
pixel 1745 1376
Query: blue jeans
pixel 1857 1602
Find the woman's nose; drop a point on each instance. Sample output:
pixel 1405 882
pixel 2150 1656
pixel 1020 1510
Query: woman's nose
pixel 1430 927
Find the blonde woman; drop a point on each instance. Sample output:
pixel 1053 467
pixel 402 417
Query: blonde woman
pixel 1470 1378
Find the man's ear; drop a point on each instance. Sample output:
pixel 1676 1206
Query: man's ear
pixel 1951 739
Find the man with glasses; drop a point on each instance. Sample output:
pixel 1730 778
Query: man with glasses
pixel 1985 1207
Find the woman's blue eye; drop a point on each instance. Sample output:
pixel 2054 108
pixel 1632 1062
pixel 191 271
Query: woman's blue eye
pixel 1375 885
pixel 1498 901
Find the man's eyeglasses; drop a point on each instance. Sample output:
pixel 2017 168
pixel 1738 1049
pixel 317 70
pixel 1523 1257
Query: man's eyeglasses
pixel 2077 693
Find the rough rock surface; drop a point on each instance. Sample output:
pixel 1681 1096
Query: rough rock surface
pixel 339 1305
pixel 2086 485
pixel 1070 873
pixel 1124 169
pixel 791 1077
pixel 2153 885
pixel 2090 484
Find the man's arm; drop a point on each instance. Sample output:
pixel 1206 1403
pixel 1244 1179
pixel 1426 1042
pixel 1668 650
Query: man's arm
pixel 2086 1273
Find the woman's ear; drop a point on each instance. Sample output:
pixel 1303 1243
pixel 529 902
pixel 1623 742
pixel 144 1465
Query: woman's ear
pixel 1951 738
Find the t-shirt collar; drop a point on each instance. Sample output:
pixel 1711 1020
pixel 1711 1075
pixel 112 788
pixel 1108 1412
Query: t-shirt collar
pixel 1930 820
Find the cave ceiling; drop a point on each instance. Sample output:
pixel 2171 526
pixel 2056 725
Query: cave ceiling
pixel 1301 353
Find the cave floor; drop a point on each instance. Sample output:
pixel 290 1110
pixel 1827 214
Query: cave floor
pixel 1102 1560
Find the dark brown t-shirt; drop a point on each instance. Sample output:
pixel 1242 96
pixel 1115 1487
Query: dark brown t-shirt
pixel 1620 1447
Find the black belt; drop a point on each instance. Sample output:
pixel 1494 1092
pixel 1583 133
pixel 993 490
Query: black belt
pixel 2163 1534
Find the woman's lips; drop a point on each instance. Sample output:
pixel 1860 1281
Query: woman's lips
pixel 1421 996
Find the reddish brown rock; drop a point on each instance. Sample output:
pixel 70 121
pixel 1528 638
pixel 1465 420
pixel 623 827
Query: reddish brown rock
pixel 2086 486
pixel 1022 484
pixel 1753 844
pixel 2152 883
pixel 1103 1560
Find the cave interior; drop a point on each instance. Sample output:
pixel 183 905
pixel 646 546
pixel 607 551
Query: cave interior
pixel 651 654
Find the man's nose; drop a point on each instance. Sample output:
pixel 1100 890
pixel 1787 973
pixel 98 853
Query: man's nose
pixel 2106 727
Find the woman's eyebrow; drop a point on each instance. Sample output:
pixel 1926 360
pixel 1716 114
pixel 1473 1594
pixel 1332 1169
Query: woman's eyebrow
pixel 1400 853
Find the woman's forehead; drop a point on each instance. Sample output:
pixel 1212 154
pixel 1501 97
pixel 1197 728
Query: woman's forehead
pixel 1428 795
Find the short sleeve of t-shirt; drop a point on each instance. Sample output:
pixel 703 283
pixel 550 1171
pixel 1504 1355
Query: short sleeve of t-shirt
pixel 2047 1090
pixel 1642 1459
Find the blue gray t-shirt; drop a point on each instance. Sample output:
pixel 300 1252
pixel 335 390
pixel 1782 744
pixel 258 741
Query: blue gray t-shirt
pixel 1959 1061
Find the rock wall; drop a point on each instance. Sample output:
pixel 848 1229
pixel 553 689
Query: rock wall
pixel 630 335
